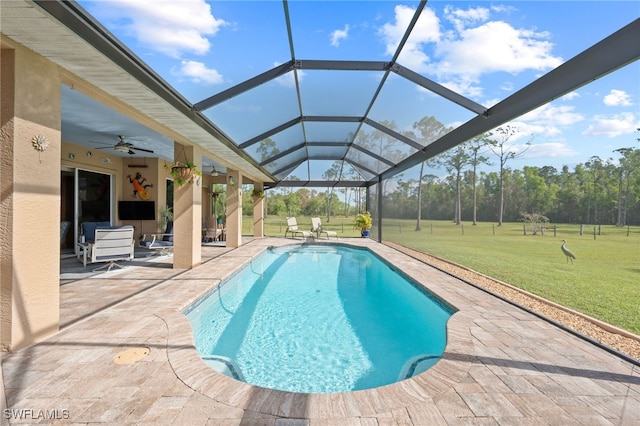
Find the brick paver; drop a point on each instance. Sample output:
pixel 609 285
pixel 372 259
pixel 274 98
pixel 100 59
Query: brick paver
pixel 501 365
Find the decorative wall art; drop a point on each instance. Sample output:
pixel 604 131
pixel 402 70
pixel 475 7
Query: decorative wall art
pixel 40 144
pixel 140 189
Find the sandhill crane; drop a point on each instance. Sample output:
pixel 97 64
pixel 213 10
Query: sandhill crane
pixel 567 252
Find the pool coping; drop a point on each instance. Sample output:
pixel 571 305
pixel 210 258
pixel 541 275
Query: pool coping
pixel 192 370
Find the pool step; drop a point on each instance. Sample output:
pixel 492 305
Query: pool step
pixel 417 365
pixel 224 365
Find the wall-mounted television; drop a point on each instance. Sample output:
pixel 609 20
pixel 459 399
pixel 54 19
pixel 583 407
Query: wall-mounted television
pixel 137 210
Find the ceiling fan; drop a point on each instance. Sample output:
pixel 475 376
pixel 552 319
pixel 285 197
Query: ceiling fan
pixel 125 147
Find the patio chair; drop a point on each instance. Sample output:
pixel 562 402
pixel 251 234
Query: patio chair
pixel 110 245
pixel 161 241
pixel 292 227
pixel 316 226
pixel 88 230
pixel 213 231
pixel 86 236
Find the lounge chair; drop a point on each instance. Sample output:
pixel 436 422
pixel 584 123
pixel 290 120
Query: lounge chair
pixel 161 241
pixel 316 226
pixel 110 245
pixel 292 227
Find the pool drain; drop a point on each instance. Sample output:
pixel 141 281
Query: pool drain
pixel 131 355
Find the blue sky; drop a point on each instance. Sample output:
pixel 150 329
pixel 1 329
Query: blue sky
pixel 483 50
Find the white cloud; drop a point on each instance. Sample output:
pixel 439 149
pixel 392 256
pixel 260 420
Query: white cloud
pixel 492 47
pixel 462 18
pixel 612 126
pixel 426 30
pixel 502 8
pixel 547 121
pixel 570 96
pixel 552 115
pixel 170 27
pixel 339 35
pixel 466 87
pixel 199 73
pixel 527 129
pixel 507 86
pixel 474 47
pixel 617 98
pixel 549 149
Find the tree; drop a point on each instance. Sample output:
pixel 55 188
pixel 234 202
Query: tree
pixel 476 159
pixel 597 181
pixel 454 161
pixel 331 174
pixel 535 220
pixel 292 203
pixel 430 130
pixel 628 170
pixel 540 195
pixel 429 163
pixel 568 197
pixel 504 150
pixel 267 149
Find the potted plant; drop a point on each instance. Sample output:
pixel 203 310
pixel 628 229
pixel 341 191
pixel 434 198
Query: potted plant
pixel 183 172
pixel 220 219
pixel 165 217
pixel 363 223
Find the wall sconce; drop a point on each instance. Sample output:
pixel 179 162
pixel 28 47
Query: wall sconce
pixel 232 181
pixel 214 172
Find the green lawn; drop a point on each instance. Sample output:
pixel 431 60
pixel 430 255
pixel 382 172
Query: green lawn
pixel 603 282
pixel 275 226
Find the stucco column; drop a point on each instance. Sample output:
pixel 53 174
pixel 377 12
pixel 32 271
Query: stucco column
pixel 234 208
pixel 187 213
pixel 258 212
pixel 30 107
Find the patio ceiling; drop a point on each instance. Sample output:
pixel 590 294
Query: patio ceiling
pixel 303 140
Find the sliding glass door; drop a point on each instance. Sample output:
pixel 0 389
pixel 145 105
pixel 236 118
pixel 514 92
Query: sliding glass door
pixel 94 201
pixel 84 196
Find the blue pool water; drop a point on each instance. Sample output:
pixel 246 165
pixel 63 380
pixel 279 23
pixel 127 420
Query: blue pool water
pixel 319 319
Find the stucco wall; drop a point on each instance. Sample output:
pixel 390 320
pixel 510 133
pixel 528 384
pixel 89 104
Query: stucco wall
pixel 31 196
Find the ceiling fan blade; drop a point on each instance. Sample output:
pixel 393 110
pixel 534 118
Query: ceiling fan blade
pixel 141 149
pixel 131 152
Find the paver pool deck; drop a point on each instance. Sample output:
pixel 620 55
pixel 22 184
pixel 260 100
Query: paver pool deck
pixel 501 366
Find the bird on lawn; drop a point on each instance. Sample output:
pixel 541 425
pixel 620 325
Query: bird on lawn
pixel 567 252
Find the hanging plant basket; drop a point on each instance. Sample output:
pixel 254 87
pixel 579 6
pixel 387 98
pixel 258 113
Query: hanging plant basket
pixel 183 172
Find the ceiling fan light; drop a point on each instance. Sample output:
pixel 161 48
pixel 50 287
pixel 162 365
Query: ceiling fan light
pixel 121 148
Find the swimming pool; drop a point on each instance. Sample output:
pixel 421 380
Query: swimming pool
pixel 319 318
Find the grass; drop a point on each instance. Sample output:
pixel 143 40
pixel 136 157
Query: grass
pixel 275 226
pixel 603 282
